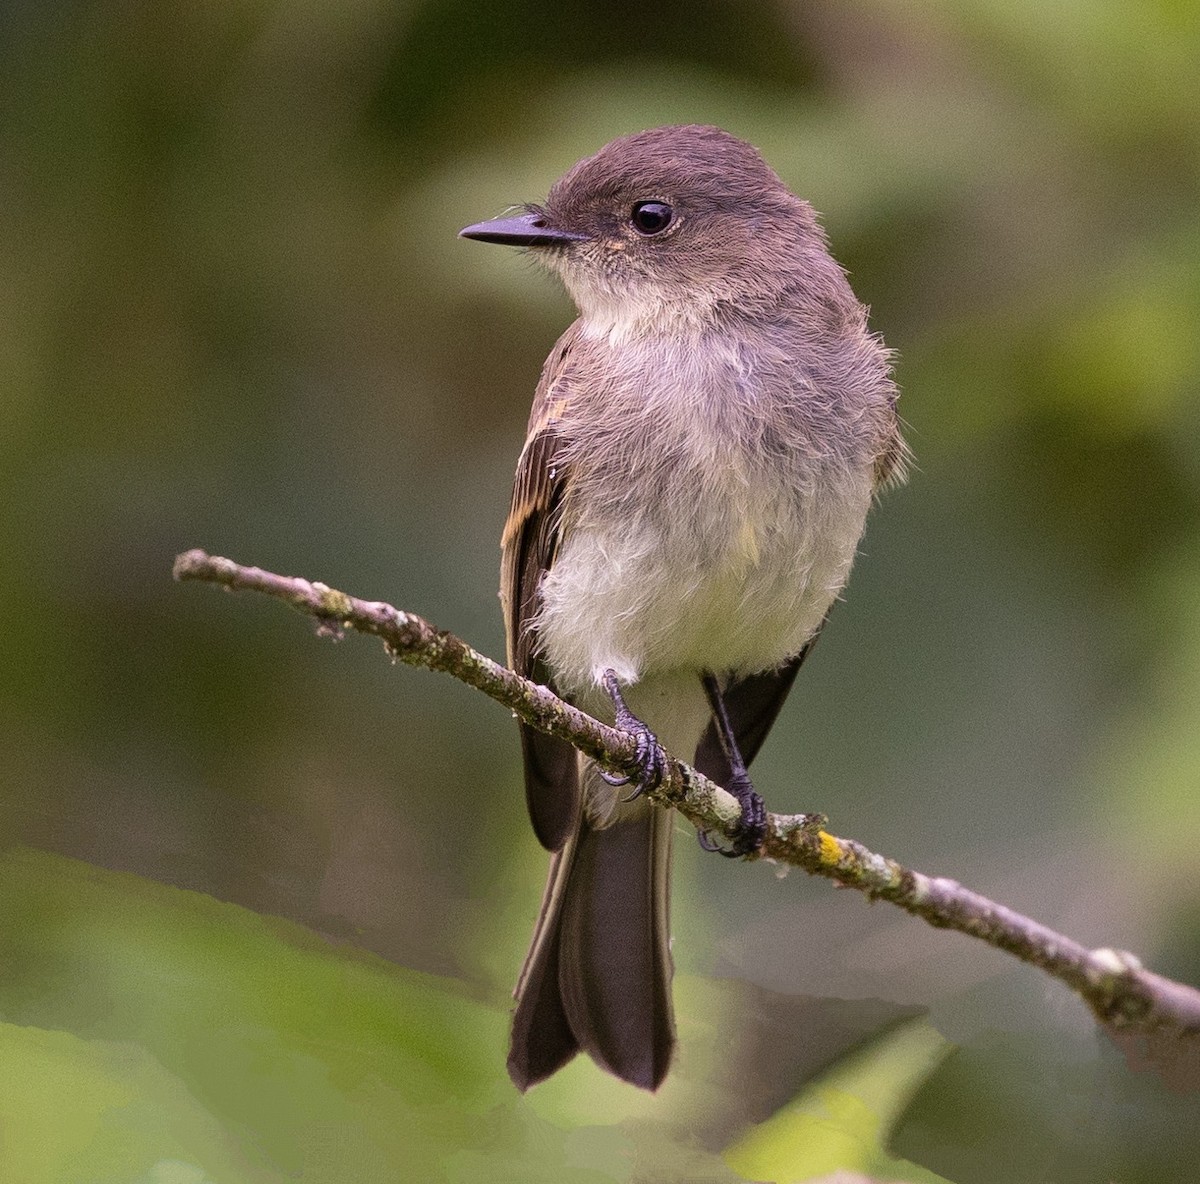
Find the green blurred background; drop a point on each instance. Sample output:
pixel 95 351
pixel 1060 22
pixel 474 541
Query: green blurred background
pixel 236 316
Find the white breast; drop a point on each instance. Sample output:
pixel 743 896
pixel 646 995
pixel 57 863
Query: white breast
pixel 693 547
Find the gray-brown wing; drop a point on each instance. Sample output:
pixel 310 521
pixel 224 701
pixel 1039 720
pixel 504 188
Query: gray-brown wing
pixel 528 547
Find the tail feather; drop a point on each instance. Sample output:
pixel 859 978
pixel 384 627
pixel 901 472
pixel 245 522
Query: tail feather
pixel 542 1040
pixel 614 950
pixel 598 975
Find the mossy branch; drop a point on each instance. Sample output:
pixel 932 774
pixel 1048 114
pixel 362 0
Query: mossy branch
pixel 1156 1019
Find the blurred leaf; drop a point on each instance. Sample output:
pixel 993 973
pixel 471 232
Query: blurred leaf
pixel 93 1111
pixel 844 1118
pixel 194 1036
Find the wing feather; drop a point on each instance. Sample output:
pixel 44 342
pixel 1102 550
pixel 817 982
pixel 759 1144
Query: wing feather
pixel 528 548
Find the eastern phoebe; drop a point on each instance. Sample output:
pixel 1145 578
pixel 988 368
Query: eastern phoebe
pixel 704 445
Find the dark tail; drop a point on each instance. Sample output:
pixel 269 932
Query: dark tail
pixel 598 975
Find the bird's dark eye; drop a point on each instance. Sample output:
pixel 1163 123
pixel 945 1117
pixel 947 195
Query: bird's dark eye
pixel 651 217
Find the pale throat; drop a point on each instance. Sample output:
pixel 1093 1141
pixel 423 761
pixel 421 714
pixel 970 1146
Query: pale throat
pixel 635 311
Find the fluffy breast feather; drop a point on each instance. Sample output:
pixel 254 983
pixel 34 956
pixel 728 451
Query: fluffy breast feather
pixel 713 514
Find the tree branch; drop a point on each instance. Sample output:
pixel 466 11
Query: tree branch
pixel 1162 1016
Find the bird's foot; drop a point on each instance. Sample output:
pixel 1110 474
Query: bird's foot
pixel 648 751
pixel 751 828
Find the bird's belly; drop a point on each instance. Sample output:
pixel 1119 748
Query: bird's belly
pixel 737 581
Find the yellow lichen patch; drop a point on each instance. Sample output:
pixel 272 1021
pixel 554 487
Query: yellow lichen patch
pixel 831 849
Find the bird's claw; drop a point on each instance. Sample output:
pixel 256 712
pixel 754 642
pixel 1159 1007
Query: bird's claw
pixel 648 752
pixel 751 828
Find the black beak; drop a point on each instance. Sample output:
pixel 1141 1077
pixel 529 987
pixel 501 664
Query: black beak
pixel 526 230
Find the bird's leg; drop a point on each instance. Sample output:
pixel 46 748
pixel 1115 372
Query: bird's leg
pixel 753 824
pixel 649 751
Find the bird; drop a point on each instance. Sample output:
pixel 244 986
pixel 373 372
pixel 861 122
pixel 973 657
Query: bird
pixel 705 442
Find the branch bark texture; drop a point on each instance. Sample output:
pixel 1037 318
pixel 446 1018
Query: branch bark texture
pixel 1155 1019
